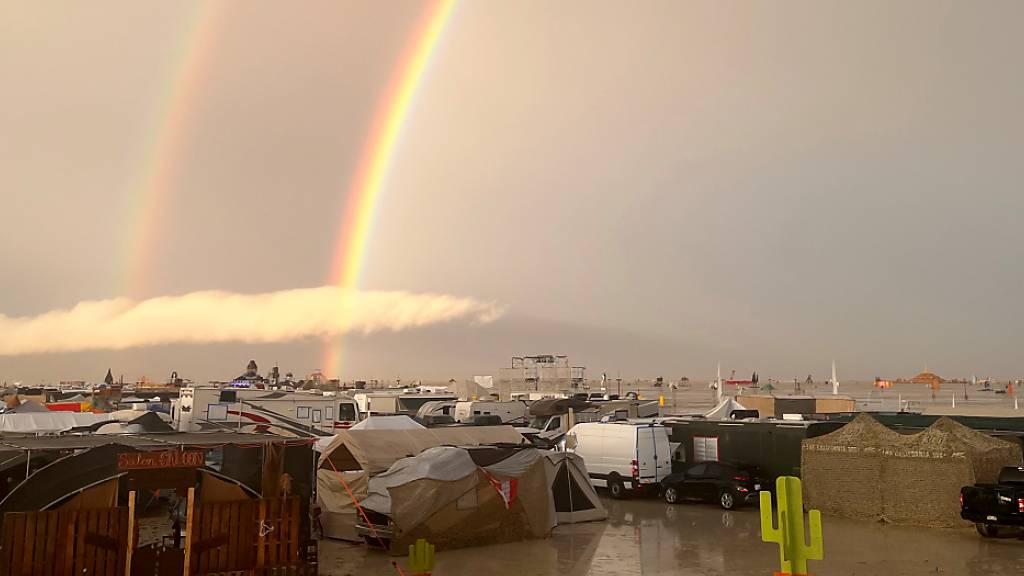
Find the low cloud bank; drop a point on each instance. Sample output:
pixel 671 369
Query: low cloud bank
pixel 217 316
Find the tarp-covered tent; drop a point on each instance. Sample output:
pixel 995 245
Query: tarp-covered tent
pixel 376 450
pixel 459 497
pixel 399 422
pixel 574 496
pixel 865 470
pixel 355 455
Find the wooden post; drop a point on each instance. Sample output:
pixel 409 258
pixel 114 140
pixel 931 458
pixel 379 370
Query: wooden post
pixel 190 514
pixel 131 534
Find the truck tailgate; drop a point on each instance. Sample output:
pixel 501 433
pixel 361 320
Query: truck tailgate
pixel 992 504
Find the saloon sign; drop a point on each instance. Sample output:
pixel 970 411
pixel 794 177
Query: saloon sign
pixel 160 459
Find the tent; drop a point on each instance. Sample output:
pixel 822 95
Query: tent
pixel 574 496
pixel 459 497
pixel 865 470
pixel 133 422
pixel 353 456
pixel 399 422
pixel 724 409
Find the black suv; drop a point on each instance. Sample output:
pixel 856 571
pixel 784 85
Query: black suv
pixel 727 484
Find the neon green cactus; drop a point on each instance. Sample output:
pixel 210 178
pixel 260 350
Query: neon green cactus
pixel 421 557
pixel 789 535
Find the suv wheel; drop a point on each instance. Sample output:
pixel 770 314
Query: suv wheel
pixel 671 495
pixel 727 499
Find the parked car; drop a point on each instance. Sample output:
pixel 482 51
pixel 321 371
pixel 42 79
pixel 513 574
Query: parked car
pixel 728 485
pixel 622 456
pixel 996 509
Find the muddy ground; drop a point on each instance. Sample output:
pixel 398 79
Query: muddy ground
pixel 650 538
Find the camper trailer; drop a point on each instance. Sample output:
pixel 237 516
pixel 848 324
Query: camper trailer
pixel 397 402
pixel 510 412
pixel 262 411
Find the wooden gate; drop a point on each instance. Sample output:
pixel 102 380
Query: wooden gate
pixel 248 536
pixel 65 542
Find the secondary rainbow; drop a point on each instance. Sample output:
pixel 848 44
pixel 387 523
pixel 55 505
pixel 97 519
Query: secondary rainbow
pixel 148 194
pixel 364 195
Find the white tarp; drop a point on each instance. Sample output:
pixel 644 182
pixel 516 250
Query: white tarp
pixel 724 409
pixel 399 422
pixel 48 422
pixel 484 381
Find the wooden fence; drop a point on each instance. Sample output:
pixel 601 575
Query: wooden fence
pixel 65 543
pixel 252 536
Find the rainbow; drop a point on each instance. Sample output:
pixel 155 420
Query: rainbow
pixel 148 194
pixel 364 195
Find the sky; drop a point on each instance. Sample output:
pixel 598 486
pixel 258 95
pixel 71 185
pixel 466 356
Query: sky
pixel 650 189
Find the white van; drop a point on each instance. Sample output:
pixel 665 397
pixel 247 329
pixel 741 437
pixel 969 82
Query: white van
pixel 621 455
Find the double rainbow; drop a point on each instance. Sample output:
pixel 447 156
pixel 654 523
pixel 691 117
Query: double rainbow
pixel 149 195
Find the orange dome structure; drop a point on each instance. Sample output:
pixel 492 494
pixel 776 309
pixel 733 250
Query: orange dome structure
pixel 927 378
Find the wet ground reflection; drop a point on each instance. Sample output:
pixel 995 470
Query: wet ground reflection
pixel 650 538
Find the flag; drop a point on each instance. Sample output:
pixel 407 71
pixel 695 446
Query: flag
pixel 507 489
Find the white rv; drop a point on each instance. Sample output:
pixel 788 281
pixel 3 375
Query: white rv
pixel 397 402
pixel 262 411
pixel 513 412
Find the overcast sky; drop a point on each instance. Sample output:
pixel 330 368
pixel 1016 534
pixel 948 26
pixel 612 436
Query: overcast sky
pixel 649 187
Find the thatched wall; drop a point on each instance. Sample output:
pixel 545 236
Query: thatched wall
pixel 864 470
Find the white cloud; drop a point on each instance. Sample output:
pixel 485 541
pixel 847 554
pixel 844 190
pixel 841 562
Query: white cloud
pixel 217 316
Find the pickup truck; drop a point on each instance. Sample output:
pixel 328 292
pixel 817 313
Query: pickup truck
pixel 996 509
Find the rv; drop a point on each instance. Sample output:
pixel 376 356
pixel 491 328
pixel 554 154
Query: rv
pixel 509 412
pixel 262 411
pixel 396 403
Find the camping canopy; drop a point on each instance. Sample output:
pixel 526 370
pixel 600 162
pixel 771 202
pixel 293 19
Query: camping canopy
pixel 865 470
pixel 458 497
